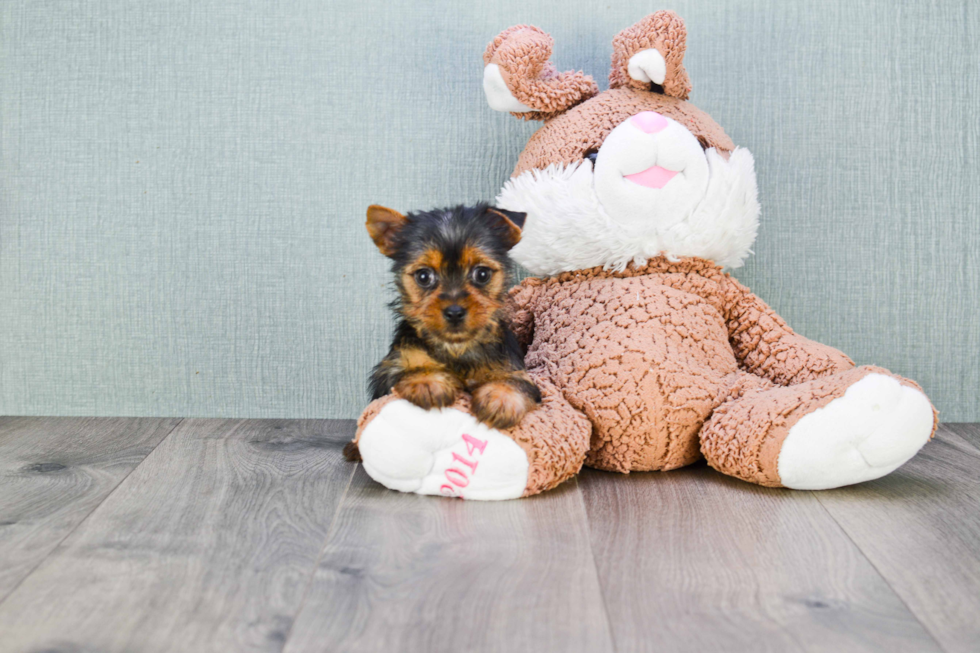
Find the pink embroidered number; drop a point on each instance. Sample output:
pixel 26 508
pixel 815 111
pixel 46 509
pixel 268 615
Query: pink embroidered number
pixel 457 476
pixel 472 444
pixel 466 461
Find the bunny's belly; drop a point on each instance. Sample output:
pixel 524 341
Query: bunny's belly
pixel 646 362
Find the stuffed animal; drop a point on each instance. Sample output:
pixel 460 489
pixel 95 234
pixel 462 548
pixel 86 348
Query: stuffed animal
pixel 648 355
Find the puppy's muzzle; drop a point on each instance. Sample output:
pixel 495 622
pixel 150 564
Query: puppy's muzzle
pixel 454 314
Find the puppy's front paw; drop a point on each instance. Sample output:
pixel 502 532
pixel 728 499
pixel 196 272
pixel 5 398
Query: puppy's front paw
pixel 500 405
pixel 429 390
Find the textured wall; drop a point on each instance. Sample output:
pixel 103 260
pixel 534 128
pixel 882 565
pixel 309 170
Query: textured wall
pixel 182 184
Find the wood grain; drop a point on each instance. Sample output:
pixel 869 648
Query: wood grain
pixel 410 573
pixel 207 546
pixel 53 472
pixel 236 535
pixel 692 560
pixel 920 527
pixel 967 431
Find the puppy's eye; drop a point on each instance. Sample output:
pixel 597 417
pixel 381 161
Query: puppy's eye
pixel 425 278
pixel 481 275
pixel 591 155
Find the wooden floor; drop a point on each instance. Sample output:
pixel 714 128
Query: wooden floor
pixel 253 535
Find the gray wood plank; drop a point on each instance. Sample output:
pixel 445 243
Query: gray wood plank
pixel 410 573
pixel 969 431
pixel 920 527
pixel 207 546
pixel 53 472
pixel 692 560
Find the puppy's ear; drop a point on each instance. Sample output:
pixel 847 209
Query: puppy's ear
pixel 383 223
pixel 514 222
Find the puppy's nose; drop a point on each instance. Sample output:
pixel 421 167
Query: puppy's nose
pixel 649 121
pixel 454 314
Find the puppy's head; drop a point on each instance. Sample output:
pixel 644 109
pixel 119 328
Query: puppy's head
pixel 451 267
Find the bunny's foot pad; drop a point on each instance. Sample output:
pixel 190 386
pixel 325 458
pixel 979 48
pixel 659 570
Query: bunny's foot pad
pixel 877 426
pixel 441 452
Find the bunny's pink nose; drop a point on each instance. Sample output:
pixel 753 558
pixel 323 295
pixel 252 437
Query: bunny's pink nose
pixel 649 121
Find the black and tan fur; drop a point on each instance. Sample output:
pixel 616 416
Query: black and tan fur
pixel 452 273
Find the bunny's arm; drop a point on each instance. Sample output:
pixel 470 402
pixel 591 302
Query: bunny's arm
pixel 520 303
pixel 765 346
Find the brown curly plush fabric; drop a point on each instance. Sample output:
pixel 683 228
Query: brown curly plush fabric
pixel 567 138
pixel 522 52
pixel 578 120
pixel 744 436
pixel 663 31
pixel 651 355
pixel 554 454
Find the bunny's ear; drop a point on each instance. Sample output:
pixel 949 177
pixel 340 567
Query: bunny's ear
pixel 517 76
pixel 650 55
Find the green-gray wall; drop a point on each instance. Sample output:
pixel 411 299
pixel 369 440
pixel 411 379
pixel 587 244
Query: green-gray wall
pixel 183 184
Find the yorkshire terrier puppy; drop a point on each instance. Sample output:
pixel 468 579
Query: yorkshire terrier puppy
pixel 452 272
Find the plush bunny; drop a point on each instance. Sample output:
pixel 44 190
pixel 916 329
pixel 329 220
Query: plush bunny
pixel 649 356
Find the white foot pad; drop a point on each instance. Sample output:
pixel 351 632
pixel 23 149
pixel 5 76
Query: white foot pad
pixel 444 451
pixel 872 430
